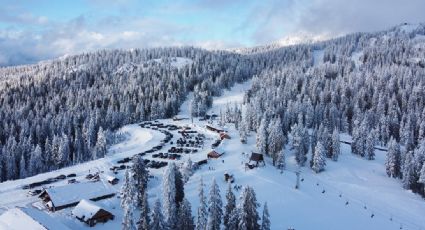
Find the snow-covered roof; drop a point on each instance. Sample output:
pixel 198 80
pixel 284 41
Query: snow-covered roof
pixel 85 210
pixel 110 178
pixel 219 149
pixel 29 218
pixel 73 193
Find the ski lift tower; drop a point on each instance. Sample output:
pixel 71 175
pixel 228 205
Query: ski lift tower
pixel 297 173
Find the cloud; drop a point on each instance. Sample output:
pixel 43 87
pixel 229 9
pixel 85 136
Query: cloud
pixel 331 17
pixel 27 36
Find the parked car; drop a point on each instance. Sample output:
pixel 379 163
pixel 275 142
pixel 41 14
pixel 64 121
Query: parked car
pixel 34 192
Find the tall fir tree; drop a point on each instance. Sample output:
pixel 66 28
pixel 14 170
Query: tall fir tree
pixel 393 160
pixel 248 214
pixel 185 221
pixel 336 145
pixel 319 159
pixel 157 218
pixel 265 219
pixel 141 177
pixel 128 201
pixel 202 213
pixel 144 220
pixel 169 196
pixel 215 207
pixel 229 207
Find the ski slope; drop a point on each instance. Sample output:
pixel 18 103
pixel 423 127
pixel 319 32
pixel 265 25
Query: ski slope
pixel 351 194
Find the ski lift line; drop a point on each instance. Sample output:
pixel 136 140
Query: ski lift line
pixel 374 210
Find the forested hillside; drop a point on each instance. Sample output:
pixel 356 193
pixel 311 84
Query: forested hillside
pixel 63 112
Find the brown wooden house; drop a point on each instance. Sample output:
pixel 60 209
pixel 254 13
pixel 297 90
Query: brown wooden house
pixel 257 158
pixel 224 135
pixel 91 214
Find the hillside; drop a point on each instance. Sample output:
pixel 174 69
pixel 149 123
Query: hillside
pixel 351 108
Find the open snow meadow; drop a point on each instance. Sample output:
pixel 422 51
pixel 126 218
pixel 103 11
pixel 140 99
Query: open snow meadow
pixel 350 194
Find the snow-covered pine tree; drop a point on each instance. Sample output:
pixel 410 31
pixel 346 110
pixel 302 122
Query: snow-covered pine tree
pixel 215 207
pixel 370 145
pixel 262 137
pixel 393 161
pixel 187 170
pixel 141 177
pixel 248 214
pixel 157 218
pixel 128 202
pixel 100 144
pixel 179 185
pixel 265 220
pixel 281 163
pixel 185 221
pixel 336 145
pixel 319 159
pixel 144 221
pixel 229 207
pixel 297 144
pixel 275 139
pixel 408 171
pixel 202 213
pixel 234 219
pixel 22 167
pixel 169 196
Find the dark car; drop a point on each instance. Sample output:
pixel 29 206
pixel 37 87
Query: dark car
pixel 71 175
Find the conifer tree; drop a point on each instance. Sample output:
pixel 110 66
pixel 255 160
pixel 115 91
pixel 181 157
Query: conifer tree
pixel 157 219
pixel 319 159
pixel 215 205
pixel 185 221
pixel 265 220
pixel 202 213
pixel 229 207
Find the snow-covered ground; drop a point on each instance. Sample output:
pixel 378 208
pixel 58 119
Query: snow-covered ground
pixel 352 193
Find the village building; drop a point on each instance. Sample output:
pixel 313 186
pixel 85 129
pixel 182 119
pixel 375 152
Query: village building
pixel 90 213
pixel 215 153
pixel 211 128
pixel 57 198
pixel 257 158
pixel 224 135
pixel 112 180
pixel 29 218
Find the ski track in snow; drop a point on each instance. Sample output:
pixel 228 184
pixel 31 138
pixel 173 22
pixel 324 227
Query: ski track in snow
pixel 316 205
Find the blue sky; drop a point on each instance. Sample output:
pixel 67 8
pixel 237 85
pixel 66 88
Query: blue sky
pixel 34 30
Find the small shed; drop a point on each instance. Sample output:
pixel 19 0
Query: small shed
pixel 257 158
pixel 89 213
pixel 224 135
pixel 215 153
pixel 112 180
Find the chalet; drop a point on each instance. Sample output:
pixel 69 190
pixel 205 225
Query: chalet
pixel 112 180
pixel 257 158
pixel 57 198
pixel 29 218
pixel 91 214
pixel 211 128
pixel 215 153
pixel 224 135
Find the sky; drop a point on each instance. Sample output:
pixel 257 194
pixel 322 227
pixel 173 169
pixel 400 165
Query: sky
pixel 35 30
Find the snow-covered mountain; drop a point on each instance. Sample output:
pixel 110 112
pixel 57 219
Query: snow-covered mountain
pixel 347 114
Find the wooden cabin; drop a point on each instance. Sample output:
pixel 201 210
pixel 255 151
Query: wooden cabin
pixel 112 180
pixel 90 213
pixel 57 198
pixel 215 153
pixel 224 135
pixel 257 158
